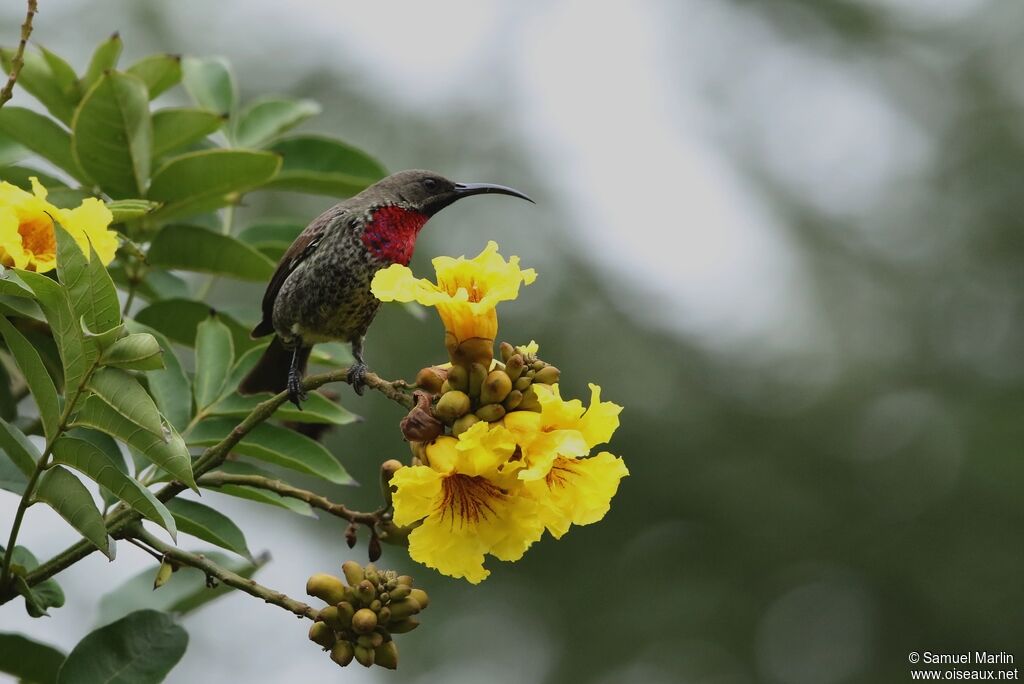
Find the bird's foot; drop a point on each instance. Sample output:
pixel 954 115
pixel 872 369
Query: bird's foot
pixel 296 394
pixel 357 377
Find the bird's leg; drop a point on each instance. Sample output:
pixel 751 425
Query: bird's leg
pixel 357 373
pixel 296 394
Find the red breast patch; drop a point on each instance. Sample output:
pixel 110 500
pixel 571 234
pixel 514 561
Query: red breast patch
pixel 391 233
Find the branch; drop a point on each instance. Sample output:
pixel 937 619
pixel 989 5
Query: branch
pixel 229 578
pixel 19 55
pixel 211 458
pixel 285 489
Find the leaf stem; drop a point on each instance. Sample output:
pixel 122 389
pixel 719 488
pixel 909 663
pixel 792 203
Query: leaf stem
pixel 19 55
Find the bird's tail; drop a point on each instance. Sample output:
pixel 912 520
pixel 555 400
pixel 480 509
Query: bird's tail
pixel 270 374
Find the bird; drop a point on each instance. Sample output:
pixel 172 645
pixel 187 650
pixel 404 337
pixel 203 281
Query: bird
pixel 320 291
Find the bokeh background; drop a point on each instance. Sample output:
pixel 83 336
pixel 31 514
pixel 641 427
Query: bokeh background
pixel 786 235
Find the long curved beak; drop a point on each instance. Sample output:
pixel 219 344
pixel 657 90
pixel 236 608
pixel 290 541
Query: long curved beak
pixel 467 189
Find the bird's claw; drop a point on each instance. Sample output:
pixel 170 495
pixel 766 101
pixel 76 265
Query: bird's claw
pixel 296 394
pixel 357 377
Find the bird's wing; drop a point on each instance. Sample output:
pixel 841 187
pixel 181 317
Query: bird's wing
pixel 300 250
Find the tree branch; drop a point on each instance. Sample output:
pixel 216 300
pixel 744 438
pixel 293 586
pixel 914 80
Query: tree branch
pixel 212 457
pixel 229 578
pixel 19 55
pixel 285 489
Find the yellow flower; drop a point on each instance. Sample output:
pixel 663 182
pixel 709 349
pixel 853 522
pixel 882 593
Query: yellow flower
pixel 577 491
pixel 470 501
pixel 465 294
pixel 562 428
pixel 27 237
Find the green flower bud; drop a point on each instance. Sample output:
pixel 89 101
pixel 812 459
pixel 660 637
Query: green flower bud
pixel 163 573
pixel 507 350
pixel 431 378
pixel 353 572
pixel 512 400
pixel 522 384
pixel 446 387
pixel 405 579
pixel 458 378
pixel 477 373
pixel 370 640
pixel 333 617
pixel 326 587
pixel 364 621
pixel 537 365
pixel 400 592
pixel 496 387
pixel 452 405
pixel 403 626
pixel 384 616
pixel 514 367
pixel 386 655
pixel 420 597
pixel 491 412
pixel 375 605
pixel 364 656
pixel 345 612
pixel 342 653
pixel 366 592
pixel 464 423
pixel 548 375
pixel 370 572
pixel 530 401
pixel 321 633
pixel 404 608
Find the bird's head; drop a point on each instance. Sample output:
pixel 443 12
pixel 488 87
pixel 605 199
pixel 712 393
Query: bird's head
pixel 428 193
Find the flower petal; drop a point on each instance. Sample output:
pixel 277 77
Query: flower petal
pixel 601 419
pixel 12 253
pixel 577 491
pixel 417 491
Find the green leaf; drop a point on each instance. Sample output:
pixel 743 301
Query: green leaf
pixel 174 128
pixel 196 249
pixel 210 83
pixel 214 355
pixel 209 525
pixel 46 594
pixel 316 409
pixel 29 661
pixel 11 477
pixel 276 445
pixel 263 496
pixel 184 592
pixel 43 136
pixel 19 175
pixel 122 392
pixel 109 448
pixel 266 119
pixel 91 292
pixel 63 75
pixel 38 79
pixel 199 181
pixel 18 448
pixel 130 209
pixel 170 387
pixel 272 239
pixel 97 466
pixel 104 59
pixel 325 166
pixel 75 353
pixel 138 649
pixel 40 384
pixel 138 351
pixel 158 72
pixel 112 134
pixel 179 319
pixel 171 455
pixel 64 493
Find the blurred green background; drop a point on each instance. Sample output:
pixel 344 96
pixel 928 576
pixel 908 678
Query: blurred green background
pixel 784 234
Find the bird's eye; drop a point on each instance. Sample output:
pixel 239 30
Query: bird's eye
pixel 429 183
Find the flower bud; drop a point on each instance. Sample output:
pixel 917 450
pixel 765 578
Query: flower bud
pixel 431 378
pixel 403 626
pixel 321 633
pixel 537 365
pixel 376 605
pixel 387 470
pixel 332 616
pixel 458 378
pixel 491 412
pixel 342 653
pixel 477 373
pixel 496 387
pixel 464 423
pixel 405 608
pixel 371 574
pixel 366 592
pixel 514 367
pixel 512 400
pixel 372 640
pixel 353 573
pixel 522 384
pixel 530 401
pixel 399 592
pixel 373 548
pixel 384 616
pixel 327 588
pixel 548 375
pixel 420 425
pixel 364 621
pixel 420 597
pixel 405 579
pixel 364 656
pixel 345 612
pixel 386 655
pixel 452 405
pixel 507 350
pixel 163 574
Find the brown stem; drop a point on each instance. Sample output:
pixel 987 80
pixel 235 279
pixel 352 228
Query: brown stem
pixel 19 55
pixel 229 578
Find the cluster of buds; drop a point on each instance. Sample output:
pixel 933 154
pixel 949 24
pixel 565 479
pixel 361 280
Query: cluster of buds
pixel 466 396
pixel 362 616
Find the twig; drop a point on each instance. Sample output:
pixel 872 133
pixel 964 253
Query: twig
pixel 229 578
pixel 19 55
pixel 212 457
pixel 284 489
